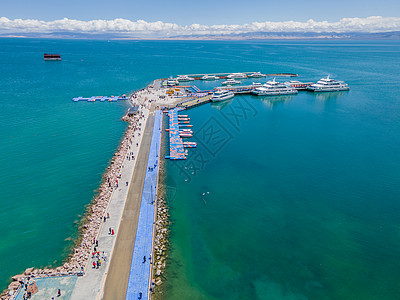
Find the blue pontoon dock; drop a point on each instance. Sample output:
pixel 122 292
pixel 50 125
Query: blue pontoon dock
pixel 100 98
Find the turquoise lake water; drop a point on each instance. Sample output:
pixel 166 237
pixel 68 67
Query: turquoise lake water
pixel 301 194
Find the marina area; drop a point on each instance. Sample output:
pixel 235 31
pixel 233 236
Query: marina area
pixel 142 278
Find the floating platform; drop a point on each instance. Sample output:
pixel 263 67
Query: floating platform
pixel 176 148
pixel 245 89
pixel 100 98
pixel 196 102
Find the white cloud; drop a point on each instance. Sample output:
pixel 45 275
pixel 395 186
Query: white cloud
pixel 140 27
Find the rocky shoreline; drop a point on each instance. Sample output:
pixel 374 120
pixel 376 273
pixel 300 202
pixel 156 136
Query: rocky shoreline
pixel 161 244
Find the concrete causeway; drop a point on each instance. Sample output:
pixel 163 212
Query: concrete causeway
pixel 90 286
pixel 141 266
pixel 116 280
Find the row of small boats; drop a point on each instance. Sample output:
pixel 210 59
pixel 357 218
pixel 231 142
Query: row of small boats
pixel 232 76
pixel 274 88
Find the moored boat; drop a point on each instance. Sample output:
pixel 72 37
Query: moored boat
pixel 230 81
pixel 221 95
pixel 298 85
pixel 209 77
pixel 184 78
pixel 185 135
pixel 273 88
pixel 186 132
pixel 172 82
pixel 237 76
pixel 256 75
pixel 47 56
pixel 328 85
pixel 189 144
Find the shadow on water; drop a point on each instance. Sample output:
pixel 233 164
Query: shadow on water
pixel 222 104
pixel 324 96
pixel 272 101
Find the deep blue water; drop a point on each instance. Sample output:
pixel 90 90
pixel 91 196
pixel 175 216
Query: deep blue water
pixel 303 192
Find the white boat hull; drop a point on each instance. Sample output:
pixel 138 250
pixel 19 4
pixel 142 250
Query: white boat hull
pixel 222 98
pixel 275 93
pixel 316 90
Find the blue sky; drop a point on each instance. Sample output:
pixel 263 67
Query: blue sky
pixel 168 18
pixel 207 12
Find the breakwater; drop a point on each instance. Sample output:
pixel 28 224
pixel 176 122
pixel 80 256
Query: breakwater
pixel 139 282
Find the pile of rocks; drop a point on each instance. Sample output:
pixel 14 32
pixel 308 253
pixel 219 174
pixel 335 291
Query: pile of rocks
pixel 160 240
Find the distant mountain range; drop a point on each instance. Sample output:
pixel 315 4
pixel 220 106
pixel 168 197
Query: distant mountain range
pixel 392 35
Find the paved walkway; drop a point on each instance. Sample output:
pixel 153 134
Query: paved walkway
pixel 48 288
pixel 90 286
pixel 117 278
pixel 140 271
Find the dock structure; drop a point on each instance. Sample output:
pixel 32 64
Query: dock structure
pixel 195 102
pixel 140 276
pixel 176 148
pixel 224 75
pixel 301 86
pixel 100 98
pixel 244 89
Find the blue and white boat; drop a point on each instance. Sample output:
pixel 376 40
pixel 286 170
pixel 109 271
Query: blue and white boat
pixel 274 88
pixel 328 85
pixel 222 95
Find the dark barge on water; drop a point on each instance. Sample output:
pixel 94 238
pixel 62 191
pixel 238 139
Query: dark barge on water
pixel 52 56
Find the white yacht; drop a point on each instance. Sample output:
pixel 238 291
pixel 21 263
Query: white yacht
pixel 298 85
pixel 172 82
pixel 221 95
pixel 328 85
pixel 256 75
pixel 256 84
pixel 230 81
pixel 184 78
pixel 237 76
pixel 209 77
pixel 272 88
